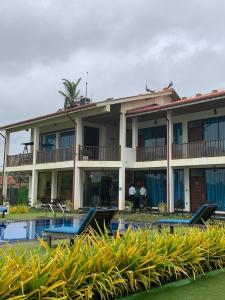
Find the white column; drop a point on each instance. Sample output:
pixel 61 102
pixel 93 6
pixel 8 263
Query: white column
pixel 36 144
pixel 30 188
pixel 170 181
pixel 77 180
pixel 34 187
pixel 122 140
pixel 57 140
pixel 78 193
pixel 187 202
pixel 54 185
pixel 5 177
pixel 122 188
pixel 134 132
pixel 185 131
pixel 103 141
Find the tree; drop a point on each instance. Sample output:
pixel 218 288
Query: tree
pixel 72 93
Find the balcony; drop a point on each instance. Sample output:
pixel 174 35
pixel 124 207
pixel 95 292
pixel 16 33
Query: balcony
pixel 152 153
pixel 199 149
pixel 19 160
pixel 55 155
pixel 99 153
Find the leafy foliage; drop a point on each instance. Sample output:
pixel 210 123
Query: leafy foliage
pixel 72 93
pixel 108 267
pixel 18 209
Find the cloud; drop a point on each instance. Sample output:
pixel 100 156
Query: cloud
pixel 123 44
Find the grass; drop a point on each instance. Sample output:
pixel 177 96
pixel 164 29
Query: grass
pixel 31 215
pixel 137 217
pixel 208 287
pixel 146 217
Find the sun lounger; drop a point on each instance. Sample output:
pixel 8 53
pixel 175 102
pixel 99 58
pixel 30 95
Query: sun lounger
pixel 202 215
pixel 3 210
pixel 98 219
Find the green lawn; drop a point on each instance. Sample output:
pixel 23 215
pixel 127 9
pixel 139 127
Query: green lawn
pixel 209 287
pixel 31 215
pixel 146 217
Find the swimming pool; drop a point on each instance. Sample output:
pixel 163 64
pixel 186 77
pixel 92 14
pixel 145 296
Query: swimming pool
pixel 13 231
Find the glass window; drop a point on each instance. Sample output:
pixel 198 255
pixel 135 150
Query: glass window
pixel 129 138
pixel 66 139
pixel 156 187
pixel 177 133
pixel 44 186
pixel 215 187
pixel 48 141
pixel 179 189
pixel 153 136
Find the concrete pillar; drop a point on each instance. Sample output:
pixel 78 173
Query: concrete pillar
pixel 34 187
pixel 30 189
pixel 134 132
pixel 77 180
pixel 54 185
pixel 57 140
pixel 187 202
pixel 78 192
pixel 103 139
pixel 122 141
pixel 5 177
pixel 170 181
pixel 36 144
pixel 122 188
pixel 185 131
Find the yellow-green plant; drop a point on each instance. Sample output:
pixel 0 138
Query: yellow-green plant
pixel 107 267
pixel 18 209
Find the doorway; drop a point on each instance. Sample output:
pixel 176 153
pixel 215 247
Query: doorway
pixel 91 136
pixel 197 188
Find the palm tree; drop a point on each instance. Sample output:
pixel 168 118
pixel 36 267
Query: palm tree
pixel 71 94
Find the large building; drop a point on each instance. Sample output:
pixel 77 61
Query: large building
pixel 91 153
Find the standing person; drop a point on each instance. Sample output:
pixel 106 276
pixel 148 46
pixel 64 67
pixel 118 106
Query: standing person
pixel 132 192
pixel 143 195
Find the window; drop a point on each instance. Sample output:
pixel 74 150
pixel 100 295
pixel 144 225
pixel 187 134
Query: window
pixel 48 141
pixel 67 139
pixel 177 133
pixel 153 136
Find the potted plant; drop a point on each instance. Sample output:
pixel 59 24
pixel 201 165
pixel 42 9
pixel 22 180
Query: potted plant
pixel 162 207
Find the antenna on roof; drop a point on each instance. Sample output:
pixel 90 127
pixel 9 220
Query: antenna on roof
pixel 86 84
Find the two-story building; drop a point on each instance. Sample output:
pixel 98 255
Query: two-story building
pixel 91 153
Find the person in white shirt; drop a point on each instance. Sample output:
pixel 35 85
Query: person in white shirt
pixel 143 195
pixel 132 193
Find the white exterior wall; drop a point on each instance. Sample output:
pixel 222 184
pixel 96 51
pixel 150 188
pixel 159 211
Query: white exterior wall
pixel 109 136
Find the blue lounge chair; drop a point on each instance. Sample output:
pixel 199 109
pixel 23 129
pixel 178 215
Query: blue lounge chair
pixel 202 215
pixel 97 219
pixel 3 210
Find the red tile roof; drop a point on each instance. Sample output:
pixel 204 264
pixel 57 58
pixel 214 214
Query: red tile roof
pixel 197 98
pixel 48 116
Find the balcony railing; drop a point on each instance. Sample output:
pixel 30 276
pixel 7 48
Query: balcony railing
pixel 55 155
pixel 101 153
pixel 199 149
pixel 19 159
pixel 152 153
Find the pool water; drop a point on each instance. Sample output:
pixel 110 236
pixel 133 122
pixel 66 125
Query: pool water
pixel 31 230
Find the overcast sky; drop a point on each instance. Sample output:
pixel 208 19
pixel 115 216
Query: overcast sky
pixel 123 44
